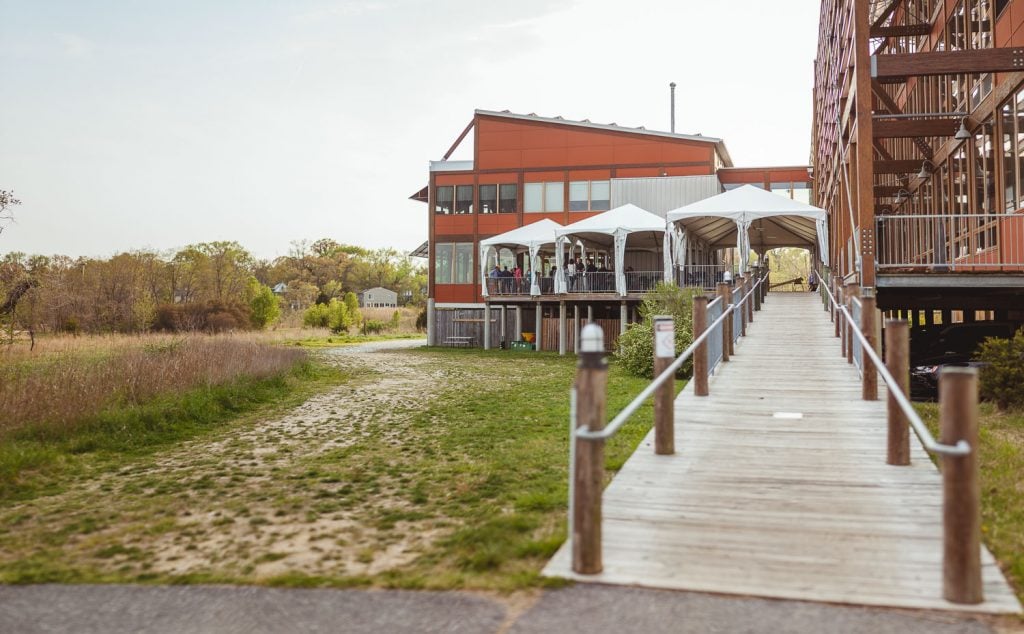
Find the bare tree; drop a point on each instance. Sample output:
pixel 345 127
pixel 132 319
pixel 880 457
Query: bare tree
pixel 7 204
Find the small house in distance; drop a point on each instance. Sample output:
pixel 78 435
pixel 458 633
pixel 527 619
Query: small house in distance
pixel 378 297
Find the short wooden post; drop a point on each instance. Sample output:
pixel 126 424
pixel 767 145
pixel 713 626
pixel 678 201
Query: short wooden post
pixel 748 286
pixel 961 490
pixel 588 471
pixel 757 293
pixel 897 361
pixel 700 355
pixel 726 294
pixel 664 396
pixel 741 283
pixel 869 380
pixel 841 320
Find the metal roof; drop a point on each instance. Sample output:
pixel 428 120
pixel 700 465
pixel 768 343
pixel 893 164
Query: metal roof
pixel 719 143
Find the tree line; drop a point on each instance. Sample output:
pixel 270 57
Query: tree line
pixel 206 286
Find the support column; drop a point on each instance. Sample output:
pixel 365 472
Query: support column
pixel 562 326
pixel 869 385
pixel 538 325
pixel 502 330
pixel 487 326
pixel 431 323
pixel 590 313
pixel 517 335
pixel 576 328
pixel 623 317
pixel 725 292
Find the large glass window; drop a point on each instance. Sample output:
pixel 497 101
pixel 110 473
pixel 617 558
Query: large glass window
pixel 488 199
pixel 544 197
pixel 453 263
pixel 589 196
pixel 464 199
pixel 444 199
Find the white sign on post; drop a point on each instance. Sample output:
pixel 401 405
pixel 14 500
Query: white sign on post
pixel 664 338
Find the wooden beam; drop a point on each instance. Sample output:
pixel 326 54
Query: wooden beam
pixel 888 191
pixel 896 67
pixel 901 31
pixel 894 108
pixel 451 150
pixel 910 128
pixel 907 166
pixel 884 15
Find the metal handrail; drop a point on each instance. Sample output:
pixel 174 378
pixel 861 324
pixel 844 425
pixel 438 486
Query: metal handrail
pixel 962 447
pixel 609 430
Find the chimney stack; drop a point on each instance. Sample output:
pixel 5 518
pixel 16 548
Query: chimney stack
pixel 672 92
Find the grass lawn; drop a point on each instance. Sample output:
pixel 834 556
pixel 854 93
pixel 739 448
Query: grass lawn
pixel 1002 485
pixel 427 469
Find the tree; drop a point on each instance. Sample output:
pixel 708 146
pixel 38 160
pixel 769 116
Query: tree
pixel 7 204
pixel 263 305
pixel 352 307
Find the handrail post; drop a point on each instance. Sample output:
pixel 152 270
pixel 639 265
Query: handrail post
pixel 835 309
pixel 700 355
pixel 664 397
pixel 741 283
pixel 726 294
pixel 851 292
pixel 757 294
pixel 591 393
pixel 961 490
pixel 869 380
pixel 841 320
pixel 897 361
pixel 748 286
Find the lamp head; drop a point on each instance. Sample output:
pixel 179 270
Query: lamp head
pixel 963 133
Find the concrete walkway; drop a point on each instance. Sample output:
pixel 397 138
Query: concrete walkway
pixel 52 609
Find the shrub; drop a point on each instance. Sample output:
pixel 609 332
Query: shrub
pixel 635 347
pixel 316 316
pixel 264 307
pixel 421 320
pixel 211 316
pixel 1002 374
pixel 352 307
pixel 373 327
pixel 396 319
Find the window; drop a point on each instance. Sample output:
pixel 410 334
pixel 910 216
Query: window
pixel 464 199
pixel 544 197
pixel 509 201
pixel 1007 119
pixel 453 263
pixel 444 196
pixel 589 196
pixel 490 203
pixel 488 199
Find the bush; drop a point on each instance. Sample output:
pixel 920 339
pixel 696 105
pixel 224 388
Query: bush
pixel 264 307
pixel 333 315
pixel 1002 375
pixel 212 316
pixel 396 320
pixel 635 347
pixel 316 316
pixel 421 320
pixel 373 327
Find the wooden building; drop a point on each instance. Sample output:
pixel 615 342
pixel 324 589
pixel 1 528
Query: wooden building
pixel 918 154
pixel 528 167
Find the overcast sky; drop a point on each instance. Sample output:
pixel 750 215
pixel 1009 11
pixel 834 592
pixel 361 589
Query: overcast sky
pixel 143 124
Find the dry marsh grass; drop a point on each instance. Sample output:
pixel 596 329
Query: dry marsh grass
pixel 66 380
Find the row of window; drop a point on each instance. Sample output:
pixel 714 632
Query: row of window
pixel 537 197
pixel 453 263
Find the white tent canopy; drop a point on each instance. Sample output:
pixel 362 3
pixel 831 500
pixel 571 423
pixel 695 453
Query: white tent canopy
pixel 611 229
pixel 749 216
pixel 528 238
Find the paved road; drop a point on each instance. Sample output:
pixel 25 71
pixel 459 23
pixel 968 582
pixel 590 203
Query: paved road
pixel 374 346
pixel 54 609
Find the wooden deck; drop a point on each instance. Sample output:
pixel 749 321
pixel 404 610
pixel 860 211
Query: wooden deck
pixel 759 502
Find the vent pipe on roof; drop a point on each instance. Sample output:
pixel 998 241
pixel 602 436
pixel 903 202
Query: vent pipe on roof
pixel 672 92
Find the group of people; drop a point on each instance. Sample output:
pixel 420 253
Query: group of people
pixel 506 281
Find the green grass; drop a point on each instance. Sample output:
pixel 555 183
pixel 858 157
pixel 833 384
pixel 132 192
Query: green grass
pixel 465 479
pixel 1002 485
pixel 40 459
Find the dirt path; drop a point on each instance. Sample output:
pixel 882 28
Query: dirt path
pixel 259 500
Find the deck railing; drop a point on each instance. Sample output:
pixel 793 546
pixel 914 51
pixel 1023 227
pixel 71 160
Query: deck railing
pixel 508 286
pixel 958 421
pixel 643 281
pixel 712 322
pixel 591 282
pixel 706 276
pixel 951 243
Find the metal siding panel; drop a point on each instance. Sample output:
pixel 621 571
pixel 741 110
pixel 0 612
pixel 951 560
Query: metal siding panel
pixel 661 195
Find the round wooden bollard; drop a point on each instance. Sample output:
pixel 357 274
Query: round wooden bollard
pixel 897 361
pixel 961 489
pixel 741 284
pixel 869 382
pixel 726 294
pixel 664 396
pixel 591 394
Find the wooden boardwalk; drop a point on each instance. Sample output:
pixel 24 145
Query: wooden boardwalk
pixel 758 501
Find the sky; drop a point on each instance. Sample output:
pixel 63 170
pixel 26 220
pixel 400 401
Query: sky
pixel 137 124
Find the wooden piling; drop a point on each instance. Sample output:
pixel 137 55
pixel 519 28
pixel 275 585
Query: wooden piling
pixel 700 355
pixel 741 283
pixel 588 478
pixel 961 491
pixel 664 396
pixel 897 361
pixel 726 294
pixel 748 285
pixel 869 380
